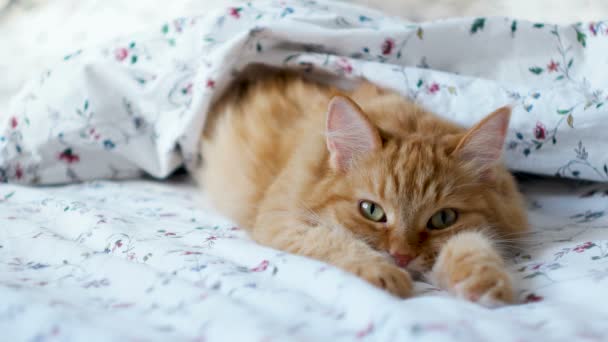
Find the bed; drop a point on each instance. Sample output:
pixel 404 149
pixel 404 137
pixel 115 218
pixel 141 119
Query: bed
pixel 93 245
pixel 144 261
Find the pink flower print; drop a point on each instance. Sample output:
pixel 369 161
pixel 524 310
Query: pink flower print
pixel 235 12
pixel 261 267
pixel 540 131
pixel 366 331
pixel 177 24
pixel 122 305
pixel 345 65
pixel 592 29
pixel 68 156
pixel 121 54
pixel 19 171
pixel 584 247
pixel 117 245
pixel 434 88
pixel 387 46
pixel 552 66
pixel 94 134
pixel 532 298
pixel 14 122
pixel 210 84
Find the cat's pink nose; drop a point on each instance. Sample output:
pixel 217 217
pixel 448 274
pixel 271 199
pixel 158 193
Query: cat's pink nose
pixel 402 260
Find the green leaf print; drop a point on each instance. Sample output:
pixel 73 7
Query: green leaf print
pixel 563 111
pixel 165 29
pixel 513 28
pixel 10 194
pixel 570 121
pixel 535 274
pixel 290 57
pixel 478 24
pixel 581 37
pixel 536 70
pixel 420 33
pixel 539 25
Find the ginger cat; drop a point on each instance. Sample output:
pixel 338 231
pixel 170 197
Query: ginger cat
pixel 366 181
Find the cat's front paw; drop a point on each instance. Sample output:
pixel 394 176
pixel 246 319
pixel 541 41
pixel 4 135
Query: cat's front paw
pixel 486 283
pixel 483 280
pixel 469 267
pixel 385 276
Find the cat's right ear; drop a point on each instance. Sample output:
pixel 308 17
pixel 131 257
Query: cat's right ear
pixel 349 133
pixel 483 144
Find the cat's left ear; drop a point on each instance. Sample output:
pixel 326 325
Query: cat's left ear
pixel 483 143
pixel 349 133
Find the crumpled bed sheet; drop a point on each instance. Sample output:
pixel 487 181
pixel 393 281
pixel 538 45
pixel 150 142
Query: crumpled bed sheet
pixel 137 104
pixel 145 261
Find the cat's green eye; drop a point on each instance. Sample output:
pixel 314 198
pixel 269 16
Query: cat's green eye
pixel 372 211
pixel 442 219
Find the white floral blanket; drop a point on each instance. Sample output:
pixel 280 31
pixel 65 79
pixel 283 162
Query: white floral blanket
pixel 139 261
pixel 137 104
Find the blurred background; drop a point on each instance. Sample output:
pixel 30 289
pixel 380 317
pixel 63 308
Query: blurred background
pixel 35 33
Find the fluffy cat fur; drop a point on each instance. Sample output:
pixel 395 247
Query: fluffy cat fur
pixel 291 161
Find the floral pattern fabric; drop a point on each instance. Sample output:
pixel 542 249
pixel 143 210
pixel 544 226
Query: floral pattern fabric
pixel 137 104
pixel 141 261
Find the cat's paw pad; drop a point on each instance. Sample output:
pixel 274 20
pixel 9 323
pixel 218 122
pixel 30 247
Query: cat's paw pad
pixel 386 276
pixel 484 284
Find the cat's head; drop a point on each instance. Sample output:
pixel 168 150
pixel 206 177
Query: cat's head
pixel 406 196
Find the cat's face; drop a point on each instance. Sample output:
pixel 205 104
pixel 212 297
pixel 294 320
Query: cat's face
pixel 406 197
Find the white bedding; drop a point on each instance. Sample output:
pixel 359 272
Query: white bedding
pixel 35 32
pixel 137 104
pixel 137 261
